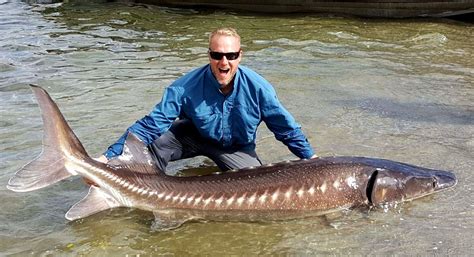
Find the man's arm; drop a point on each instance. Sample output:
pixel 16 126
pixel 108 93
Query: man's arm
pixel 284 126
pixel 152 125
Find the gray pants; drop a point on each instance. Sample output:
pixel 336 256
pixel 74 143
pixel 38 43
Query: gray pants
pixel 183 141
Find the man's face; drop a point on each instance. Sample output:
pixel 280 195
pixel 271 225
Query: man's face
pixel 224 69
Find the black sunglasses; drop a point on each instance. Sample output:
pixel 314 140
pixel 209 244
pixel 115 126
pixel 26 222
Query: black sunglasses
pixel 229 56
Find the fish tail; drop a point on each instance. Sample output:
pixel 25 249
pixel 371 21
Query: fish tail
pixel 59 144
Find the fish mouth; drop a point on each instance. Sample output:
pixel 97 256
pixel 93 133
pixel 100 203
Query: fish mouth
pixel 444 180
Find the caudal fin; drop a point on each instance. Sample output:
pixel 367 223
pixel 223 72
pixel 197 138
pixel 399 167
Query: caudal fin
pixel 59 143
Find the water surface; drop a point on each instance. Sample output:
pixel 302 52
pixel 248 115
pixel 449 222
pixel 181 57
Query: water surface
pixel 395 89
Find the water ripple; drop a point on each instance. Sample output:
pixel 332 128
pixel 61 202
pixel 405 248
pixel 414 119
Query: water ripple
pixel 397 89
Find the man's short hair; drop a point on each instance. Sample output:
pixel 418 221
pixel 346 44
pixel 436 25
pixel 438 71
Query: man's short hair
pixel 231 32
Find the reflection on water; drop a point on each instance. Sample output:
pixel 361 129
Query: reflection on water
pixel 396 89
pixel 422 112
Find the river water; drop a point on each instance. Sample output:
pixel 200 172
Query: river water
pixel 395 89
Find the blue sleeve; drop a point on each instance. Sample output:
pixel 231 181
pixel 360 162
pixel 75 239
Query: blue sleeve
pixel 155 123
pixel 283 125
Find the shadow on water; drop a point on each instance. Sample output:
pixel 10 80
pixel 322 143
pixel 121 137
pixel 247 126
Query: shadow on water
pixel 413 111
pixel 468 18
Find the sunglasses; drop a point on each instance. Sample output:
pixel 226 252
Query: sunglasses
pixel 229 56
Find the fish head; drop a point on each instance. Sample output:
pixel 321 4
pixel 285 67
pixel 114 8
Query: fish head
pixel 405 182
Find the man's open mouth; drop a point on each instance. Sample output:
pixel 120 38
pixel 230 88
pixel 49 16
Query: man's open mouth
pixel 224 71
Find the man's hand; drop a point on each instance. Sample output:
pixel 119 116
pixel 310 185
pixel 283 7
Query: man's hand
pixel 102 159
pixel 312 157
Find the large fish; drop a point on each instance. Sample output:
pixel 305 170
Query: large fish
pixel 275 191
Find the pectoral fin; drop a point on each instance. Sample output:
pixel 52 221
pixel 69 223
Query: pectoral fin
pixel 95 201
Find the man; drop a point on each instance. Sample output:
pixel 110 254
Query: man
pixel 215 111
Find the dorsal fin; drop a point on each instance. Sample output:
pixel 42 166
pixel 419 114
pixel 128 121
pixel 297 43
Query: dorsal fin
pixel 136 157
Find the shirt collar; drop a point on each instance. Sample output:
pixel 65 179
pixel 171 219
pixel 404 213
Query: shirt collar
pixel 210 78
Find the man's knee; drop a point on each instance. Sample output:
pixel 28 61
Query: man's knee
pixel 237 160
pixel 165 148
pixel 179 142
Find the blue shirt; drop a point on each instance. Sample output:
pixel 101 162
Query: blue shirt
pixel 229 121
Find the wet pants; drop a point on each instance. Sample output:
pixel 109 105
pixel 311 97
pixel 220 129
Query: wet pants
pixel 183 141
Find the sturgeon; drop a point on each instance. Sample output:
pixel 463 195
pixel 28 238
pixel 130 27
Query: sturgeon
pixel 290 189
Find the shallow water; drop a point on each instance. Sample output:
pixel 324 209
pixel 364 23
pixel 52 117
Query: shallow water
pixel 395 89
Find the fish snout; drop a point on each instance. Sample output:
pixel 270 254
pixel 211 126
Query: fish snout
pixel 443 180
